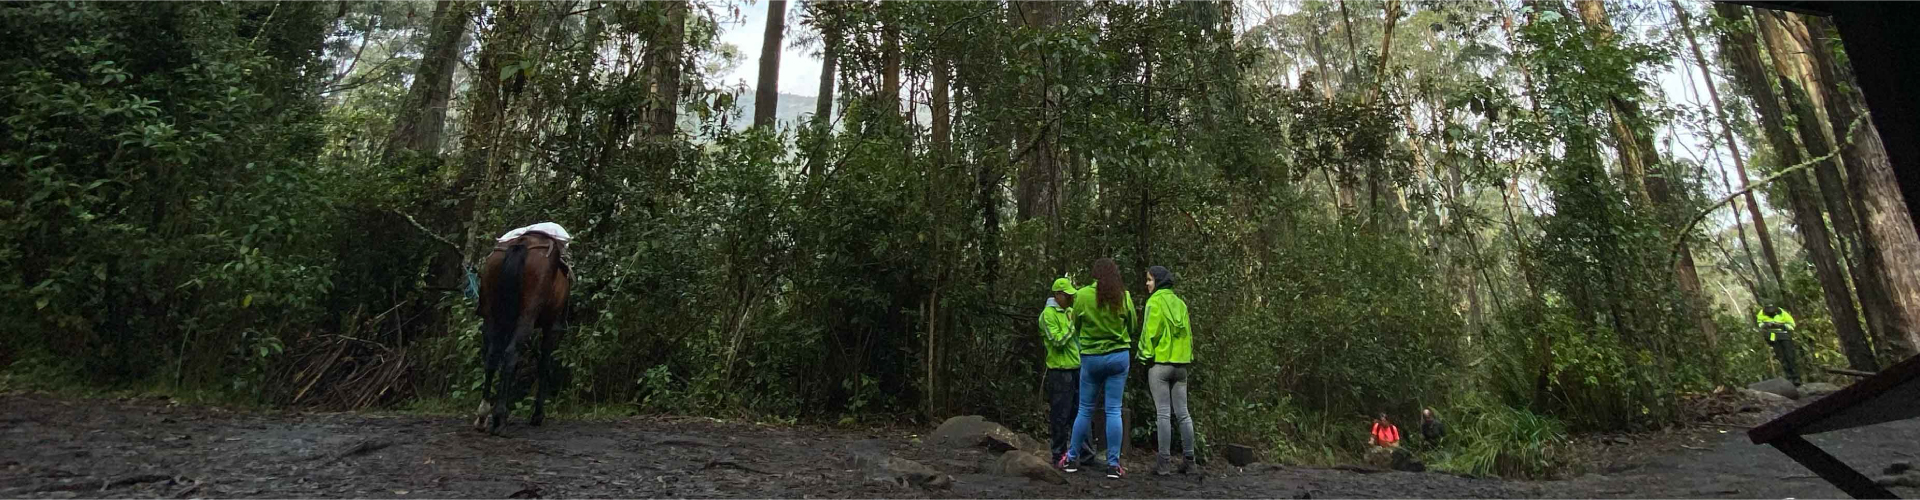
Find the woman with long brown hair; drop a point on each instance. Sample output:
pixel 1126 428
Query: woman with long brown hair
pixel 1104 316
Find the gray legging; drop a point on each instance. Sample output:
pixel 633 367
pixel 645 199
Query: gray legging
pixel 1169 386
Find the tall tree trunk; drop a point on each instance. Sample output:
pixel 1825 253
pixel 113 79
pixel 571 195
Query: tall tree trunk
pixel 830 39
pixel 419 128
pixel 1890 247
pixel 942 127
pixel 1801 101
pixel 1634 160
pixel 988 201
pixel 1342 191
pixel 515 30
pixel 481 137
pixel 1353 49
pixel 1543 338
pixel 1635 141
pixel 937 206
pixel 1393 210
pixel 1325 75
pixel 1744 53
pixel 1034 188
pixel 1832 191
pixel 1386 50
pixel 1143 235
pixel 1798 37
pixel 667 51
pixel 890 56
pixel 766 97
pixel 422 120
pixel 1348 191
pixel 1760 229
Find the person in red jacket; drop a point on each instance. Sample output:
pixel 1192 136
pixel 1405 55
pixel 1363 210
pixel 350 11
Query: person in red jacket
pixel 1385 435
pixel 1385 440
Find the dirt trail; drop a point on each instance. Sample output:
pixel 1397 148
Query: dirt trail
pixel 1724 464
pixel 63 448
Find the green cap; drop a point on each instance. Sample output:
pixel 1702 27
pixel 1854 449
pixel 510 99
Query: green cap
pixel 1063 285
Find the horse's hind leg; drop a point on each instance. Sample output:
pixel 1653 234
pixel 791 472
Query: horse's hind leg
pixel 509 392
pixel 546 373
pixel 485 410
pixel 490 363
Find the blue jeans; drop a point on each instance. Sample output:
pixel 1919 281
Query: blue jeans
pixel 1107 374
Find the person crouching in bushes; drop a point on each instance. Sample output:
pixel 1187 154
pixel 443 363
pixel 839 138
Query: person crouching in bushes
pixel 1385 441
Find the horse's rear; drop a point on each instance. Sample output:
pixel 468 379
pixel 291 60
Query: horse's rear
pixel 523 287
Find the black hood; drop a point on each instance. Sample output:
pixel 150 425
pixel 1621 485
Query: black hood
pixel 1162 278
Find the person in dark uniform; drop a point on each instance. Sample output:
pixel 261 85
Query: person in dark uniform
pixel 1431 429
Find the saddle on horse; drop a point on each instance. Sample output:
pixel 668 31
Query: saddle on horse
pixel 557 243
pixel 558 235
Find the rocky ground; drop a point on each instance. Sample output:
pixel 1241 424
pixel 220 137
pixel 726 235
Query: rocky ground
pixel 63 448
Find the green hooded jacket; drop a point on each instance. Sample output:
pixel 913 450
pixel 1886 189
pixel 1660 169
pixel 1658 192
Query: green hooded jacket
pixel 1166 337
pixel 1102 330
pixel 1056 331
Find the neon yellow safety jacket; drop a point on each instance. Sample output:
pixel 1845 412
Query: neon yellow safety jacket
pixel 1774 324
pixel 1166 336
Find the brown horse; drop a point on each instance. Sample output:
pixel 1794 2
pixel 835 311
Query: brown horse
pixel 523 286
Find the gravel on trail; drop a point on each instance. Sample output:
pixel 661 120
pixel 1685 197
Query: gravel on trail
pixel 52 447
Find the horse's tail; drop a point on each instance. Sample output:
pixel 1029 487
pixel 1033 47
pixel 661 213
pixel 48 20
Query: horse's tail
pixel 505 314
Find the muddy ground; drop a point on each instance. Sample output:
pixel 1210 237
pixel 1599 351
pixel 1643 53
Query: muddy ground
pixel 63 448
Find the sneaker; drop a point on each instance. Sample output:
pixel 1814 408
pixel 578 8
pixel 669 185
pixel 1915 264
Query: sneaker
pixel 1188 466
pixel 1067 464
pixel 1116 472
pixel 1162 466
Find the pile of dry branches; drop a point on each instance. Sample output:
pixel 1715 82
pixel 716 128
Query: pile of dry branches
pixel 338 372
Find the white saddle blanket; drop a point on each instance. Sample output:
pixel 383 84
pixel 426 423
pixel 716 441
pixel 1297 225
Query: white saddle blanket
pixel 548 228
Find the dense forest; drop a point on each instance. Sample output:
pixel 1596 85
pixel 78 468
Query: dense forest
pixel 1537 217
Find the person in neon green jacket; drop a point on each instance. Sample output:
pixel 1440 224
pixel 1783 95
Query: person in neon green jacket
pixel 1062 382
pixel 1166 345
pixel 1778 325
pixel 1165 337
pixel 1056 328
pixel 1103 329
pixel 1103 315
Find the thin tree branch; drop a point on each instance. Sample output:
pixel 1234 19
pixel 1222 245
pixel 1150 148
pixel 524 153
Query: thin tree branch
pixel 1681 238
pixel 264 25
pixel 364 38
pixel 376 73
pixel 424 230
pixel 583 11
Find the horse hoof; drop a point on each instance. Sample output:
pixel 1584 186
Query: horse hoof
pixel 482 418
pixel 497 422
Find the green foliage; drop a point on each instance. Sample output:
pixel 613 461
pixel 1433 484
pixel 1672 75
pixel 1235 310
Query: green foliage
pixel 1494 439
pixel 213 191
pixel 163 159
pixel 1603 350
